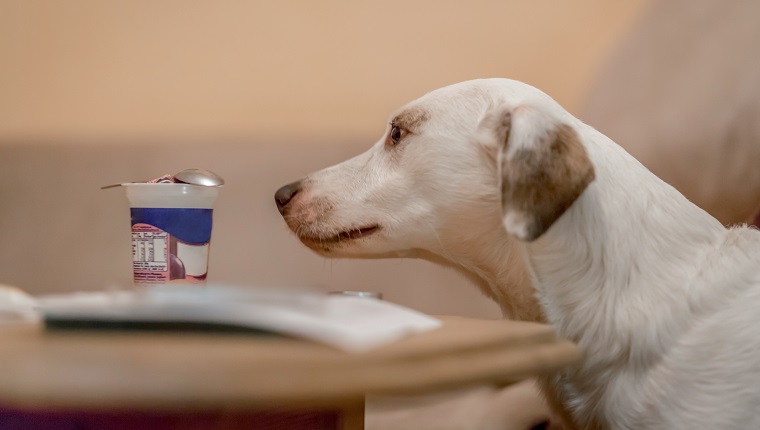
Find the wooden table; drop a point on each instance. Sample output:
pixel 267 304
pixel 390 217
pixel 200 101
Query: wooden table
pixel 183 372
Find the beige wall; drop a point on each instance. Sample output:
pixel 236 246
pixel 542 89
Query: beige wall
pixel 98 69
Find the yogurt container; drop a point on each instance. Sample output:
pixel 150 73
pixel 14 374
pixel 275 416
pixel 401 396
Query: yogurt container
pixel 171 232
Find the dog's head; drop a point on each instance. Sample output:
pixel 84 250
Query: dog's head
pixel 441 173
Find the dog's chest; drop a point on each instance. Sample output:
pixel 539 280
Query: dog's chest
pixel 599 398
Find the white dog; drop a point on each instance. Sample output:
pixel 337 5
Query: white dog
pixel 660 296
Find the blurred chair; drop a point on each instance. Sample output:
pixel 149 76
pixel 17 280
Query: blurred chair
pixel 682 94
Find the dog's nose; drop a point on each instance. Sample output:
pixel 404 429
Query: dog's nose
pixel 284 195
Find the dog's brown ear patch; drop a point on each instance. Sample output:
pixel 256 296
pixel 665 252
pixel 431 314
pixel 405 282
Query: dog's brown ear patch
pixel 544 169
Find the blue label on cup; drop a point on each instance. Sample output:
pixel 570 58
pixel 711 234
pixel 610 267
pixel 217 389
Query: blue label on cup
pixel 191 226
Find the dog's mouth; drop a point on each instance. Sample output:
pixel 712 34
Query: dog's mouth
pixel 343 236
pixel 356 233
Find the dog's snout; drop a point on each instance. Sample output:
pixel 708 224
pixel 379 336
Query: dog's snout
pixel 284 195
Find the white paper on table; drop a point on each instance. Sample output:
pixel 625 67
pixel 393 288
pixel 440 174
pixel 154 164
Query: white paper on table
pixel 353 324
pixel 16 306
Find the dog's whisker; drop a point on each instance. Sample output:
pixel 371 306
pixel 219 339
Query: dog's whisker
pixel 444 252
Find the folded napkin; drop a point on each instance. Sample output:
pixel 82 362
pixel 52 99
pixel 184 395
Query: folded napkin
pixel 353 324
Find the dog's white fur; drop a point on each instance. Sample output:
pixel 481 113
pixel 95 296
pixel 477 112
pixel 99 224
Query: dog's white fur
pixel 660 296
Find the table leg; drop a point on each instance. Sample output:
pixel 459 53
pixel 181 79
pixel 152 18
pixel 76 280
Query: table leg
pixel 352 416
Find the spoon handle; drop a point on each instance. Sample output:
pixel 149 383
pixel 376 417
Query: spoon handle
pixel 110 186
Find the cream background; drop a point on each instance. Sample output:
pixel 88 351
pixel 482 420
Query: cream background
pixel 92 70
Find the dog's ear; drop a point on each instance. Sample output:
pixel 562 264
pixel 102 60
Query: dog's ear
pixel 543 168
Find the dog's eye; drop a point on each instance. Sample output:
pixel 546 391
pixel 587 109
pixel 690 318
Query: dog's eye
pixel 396 134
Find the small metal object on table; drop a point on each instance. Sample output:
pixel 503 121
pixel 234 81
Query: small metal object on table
pixel 195 374
pixel 363 294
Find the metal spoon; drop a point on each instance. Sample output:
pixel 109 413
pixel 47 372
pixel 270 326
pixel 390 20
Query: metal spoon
pixel 203 177
pixel 200 177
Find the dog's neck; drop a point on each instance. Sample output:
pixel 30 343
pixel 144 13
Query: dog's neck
pixel 624 250
pixel 492 260
pixel 616 272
